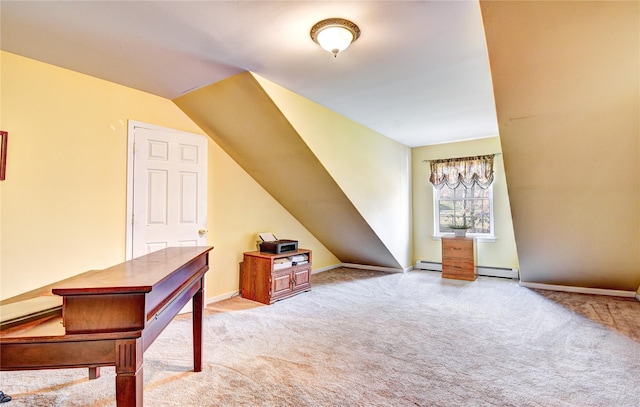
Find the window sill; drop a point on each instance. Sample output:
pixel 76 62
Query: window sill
pixel 477 238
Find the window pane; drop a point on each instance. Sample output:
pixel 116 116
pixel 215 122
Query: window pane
pixel 464 206
pixel 446 192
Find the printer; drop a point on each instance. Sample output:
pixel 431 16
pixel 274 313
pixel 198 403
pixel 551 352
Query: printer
pixel 270 244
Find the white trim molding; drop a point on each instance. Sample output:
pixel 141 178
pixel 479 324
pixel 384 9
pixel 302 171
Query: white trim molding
pixel 320 270
pixel 503 272
pixel 428 265
pixel 236 293
pixel 221 297
pixel 375 268
pixel 499 272
pixel 581 290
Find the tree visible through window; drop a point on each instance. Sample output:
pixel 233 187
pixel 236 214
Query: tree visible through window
pixel 471 206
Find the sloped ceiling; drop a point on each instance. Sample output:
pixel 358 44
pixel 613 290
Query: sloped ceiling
pixel 266 146
pixel 418 73
pixel 567 85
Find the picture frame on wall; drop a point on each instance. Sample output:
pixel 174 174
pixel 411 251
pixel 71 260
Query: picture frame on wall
pixel 3 154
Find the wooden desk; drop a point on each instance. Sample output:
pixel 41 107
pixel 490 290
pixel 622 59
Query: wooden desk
pixel 110 317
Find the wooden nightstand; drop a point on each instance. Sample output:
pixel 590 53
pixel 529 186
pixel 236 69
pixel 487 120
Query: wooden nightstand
pixel 459 258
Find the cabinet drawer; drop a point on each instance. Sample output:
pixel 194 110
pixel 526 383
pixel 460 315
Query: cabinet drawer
pixel 301 267
pixel 457 249
pixel 462 265
pixel 463 270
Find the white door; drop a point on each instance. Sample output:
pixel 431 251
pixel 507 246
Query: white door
pixel 168 189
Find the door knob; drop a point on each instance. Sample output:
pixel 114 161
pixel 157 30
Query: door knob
pixel 202 232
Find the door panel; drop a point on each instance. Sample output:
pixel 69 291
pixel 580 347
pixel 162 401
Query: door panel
pixel 169 194
pixel 281 285
pixel 189 198
pixel 158 191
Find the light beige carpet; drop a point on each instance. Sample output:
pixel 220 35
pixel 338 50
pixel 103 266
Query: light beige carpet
pixel 364 338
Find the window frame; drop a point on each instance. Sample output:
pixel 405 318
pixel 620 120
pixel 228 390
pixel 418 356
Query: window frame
pixel 437 234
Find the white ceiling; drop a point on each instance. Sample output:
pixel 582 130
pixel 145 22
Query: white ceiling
pixel 419 72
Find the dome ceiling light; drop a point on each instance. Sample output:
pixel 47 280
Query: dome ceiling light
pixel 335 34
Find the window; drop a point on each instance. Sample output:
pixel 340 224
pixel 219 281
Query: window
pixel 471 206
pixel 463 194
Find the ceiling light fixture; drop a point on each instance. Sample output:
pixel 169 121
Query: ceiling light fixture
pixel 335 34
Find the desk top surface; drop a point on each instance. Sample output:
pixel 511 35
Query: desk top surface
pixel 137 275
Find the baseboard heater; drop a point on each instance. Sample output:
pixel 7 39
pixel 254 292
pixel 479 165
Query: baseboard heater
pixel 482 271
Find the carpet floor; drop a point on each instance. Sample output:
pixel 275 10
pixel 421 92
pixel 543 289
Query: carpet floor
pixel 366 338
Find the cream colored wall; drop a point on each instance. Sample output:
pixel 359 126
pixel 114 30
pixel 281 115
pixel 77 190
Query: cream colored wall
pixel 239 209
pixel 567 89
pixel 243 120
pixel 371 169
pixel 502 252
pixel 62 209
pixel 63 202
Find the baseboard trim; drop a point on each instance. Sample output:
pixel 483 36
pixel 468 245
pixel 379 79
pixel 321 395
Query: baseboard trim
pixel 232 294
pixel 375 268
pixel 581 290
pixel 320 270
pixel 549 287
pixel 221 297
pixel 498 272
pixel 428 265
pixel 481 270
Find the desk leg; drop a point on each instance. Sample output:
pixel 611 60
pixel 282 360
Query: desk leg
pixel 94 372
pixel 129 372
pixel 198 305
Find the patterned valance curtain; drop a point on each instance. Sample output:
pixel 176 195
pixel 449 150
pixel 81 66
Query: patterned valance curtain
pixel 467 171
